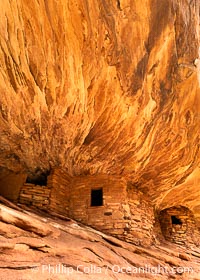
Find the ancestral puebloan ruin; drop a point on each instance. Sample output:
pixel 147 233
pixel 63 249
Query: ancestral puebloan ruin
pixel 100 115
pixel 110 204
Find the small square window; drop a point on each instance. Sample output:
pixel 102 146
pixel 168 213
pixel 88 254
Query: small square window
pixel 175 220
pixel 97 197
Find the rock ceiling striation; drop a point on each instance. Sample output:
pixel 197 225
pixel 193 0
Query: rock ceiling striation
pixel 104 87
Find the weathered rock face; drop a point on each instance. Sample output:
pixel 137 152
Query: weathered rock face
pixel 103 87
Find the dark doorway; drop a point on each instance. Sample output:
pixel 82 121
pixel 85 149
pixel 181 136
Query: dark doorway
pixel 37 178
pixel 97 197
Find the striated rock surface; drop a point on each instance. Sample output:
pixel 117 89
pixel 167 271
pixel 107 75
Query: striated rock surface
pixel 106 87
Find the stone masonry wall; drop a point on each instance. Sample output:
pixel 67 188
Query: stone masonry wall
pixel 142 219
pixel 125 213
pixel 59 181
pixel 34 195
pixel 184 233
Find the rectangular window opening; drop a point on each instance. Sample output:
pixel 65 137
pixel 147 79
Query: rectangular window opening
pixel 175 220
pixel 97 197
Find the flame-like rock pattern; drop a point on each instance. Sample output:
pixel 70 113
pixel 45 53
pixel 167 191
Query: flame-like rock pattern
pixel 104 87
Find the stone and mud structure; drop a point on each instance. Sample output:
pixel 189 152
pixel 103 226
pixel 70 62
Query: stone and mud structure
pixel 100 129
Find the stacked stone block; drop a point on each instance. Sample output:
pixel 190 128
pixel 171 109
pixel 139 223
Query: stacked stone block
pixel 35 195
